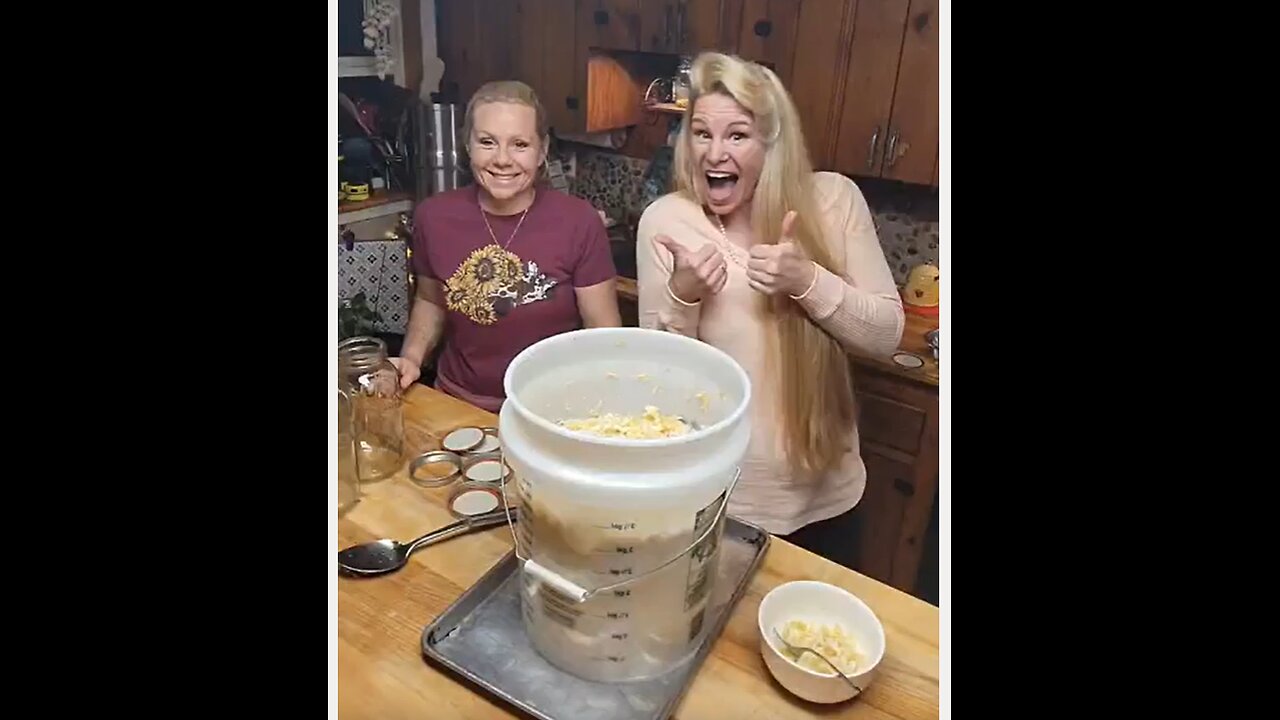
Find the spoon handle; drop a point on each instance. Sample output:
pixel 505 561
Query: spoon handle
pixel 458 528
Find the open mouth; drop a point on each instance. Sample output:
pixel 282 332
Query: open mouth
pixel 720 184
pixel 503 177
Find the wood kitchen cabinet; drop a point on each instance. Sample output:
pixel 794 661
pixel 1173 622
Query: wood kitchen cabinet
pixel 763 31
pixel 868 86
pixel 556 47
pixel 816 66
pixel 680 26
pixel 609 24
pixel 534 41
pixel 888 124
pixel 912 146
pixel 863 73
pixel 802 41
pixel 898 430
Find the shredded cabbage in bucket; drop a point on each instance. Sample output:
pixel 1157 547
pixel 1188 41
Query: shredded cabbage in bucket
pixel 649 426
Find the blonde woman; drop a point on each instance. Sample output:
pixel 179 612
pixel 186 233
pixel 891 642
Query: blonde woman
pixel 505 262
pixel 780 267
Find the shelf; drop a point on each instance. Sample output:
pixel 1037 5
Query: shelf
pixel 668 108
pixel 380 203
pixel 357 66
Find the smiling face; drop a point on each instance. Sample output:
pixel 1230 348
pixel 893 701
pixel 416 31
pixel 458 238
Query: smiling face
pixel 505 149
pixel 727 150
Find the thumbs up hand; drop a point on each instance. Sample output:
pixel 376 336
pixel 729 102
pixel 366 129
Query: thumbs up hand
pixel 782 267
pixel 697 274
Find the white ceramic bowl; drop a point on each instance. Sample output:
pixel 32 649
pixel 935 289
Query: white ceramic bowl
pixel 821 603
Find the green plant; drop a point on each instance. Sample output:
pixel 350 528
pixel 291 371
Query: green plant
pixel 355 317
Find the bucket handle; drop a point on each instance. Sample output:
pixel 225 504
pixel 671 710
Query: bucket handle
pixel 576 592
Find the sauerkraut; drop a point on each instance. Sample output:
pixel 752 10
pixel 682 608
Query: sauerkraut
pixel 831 641
pixel 650 425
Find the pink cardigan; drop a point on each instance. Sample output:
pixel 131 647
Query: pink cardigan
pixel 860 308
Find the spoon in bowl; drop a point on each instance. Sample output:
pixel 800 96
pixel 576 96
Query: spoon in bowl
pixel 797 649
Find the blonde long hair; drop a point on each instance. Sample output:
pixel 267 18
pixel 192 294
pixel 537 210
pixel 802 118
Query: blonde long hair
pixel 816 388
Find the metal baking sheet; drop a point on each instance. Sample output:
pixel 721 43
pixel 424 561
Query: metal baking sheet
pixel 481 637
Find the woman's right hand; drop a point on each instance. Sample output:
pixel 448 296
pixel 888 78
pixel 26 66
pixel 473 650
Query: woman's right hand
pixel 696 274
pixel 409 372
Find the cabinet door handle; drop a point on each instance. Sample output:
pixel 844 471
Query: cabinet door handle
pixel 871 149
pixel 666 27
pixel 682 23
pixel 890 151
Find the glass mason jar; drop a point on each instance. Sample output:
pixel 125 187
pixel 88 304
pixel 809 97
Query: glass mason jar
pixel 682 83
pixel 366 374
pixel 348 475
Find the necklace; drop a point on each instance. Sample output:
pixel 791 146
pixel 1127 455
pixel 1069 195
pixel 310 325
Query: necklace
pixel 485 217
pixel 733 250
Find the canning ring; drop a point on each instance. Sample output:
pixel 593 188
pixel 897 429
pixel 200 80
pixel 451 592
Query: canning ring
pixel 431 458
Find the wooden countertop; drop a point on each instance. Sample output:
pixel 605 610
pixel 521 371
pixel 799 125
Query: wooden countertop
pixel 382 674
pixel 628 289
pixel 912 342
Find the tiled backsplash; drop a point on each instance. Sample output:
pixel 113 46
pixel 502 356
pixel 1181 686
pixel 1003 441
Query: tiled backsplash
pixel 906 216
pixel 906 222
pixel 378 268
pixel 613 183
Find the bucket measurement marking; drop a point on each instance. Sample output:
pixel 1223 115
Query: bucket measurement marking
pixel 617 550
pixel 700 567
pixel 619 527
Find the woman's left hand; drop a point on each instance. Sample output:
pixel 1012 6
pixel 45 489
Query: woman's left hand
pixel 783 267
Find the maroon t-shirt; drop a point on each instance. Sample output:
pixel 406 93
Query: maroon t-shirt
pixel 500 299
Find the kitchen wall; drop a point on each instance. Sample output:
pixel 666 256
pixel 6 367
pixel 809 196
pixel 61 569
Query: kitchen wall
pixel 906 216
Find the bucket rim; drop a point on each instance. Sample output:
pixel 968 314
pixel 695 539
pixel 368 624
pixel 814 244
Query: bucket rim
pixel 717 428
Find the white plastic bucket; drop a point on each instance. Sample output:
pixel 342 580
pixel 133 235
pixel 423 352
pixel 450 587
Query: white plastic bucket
pixel 596 512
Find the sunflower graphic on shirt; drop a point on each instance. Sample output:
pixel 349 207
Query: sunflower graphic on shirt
pixel 491 282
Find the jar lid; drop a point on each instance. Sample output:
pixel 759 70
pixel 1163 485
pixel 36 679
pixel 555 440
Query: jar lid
pixel 486 469
pixel 469 500
pixel 463 439
pixel 439 468
pixel 491 442
pixel 907 360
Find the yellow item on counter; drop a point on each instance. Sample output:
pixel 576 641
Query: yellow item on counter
pixel 922 286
